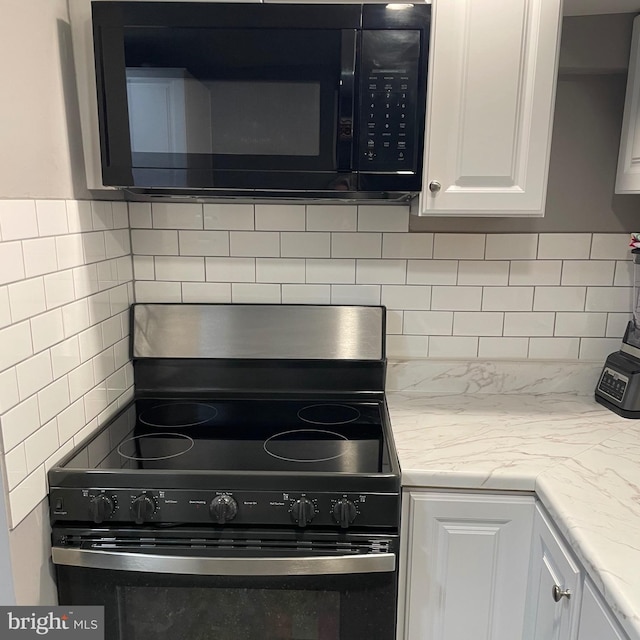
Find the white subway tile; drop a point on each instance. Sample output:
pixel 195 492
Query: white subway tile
pixel 107 271
pixel 432 272
pixel 47 329
pixel 119 299
pixel 588 272
pixel 154 242
pixel 99 307
pixel 93 246
pixel 312 244
pixel 59 288
pixel 5 308
pixel 483 272
pixel 306 294
pixel 394 322
pixel 579 325
pixel 355 294
pixel 252 244
pixel 101 214
pixel 8 390
pixel 124 268
pixel 79 216
pixel 331 271
pixel 70 421
pixel 103 365
pixel 158 292
pixel 280 217
pixel 15 463
pixel 456 298
pixel 144 267
pixel 230 269
pixel 597 348
pixel 463 246
pixel 381 271
pixel 116 385
pixel 327 217
pixel 564 246
pixel 34 374
pixel 11 262
pixel 453 347
pixel 610 246
pixel 407 245
pixel 356 245
pixel 524 323
pixel 42 444
pixel 554 348
pixel 171 215
pixel 502 348
pixel 120 215
pixel 85 432
pixel 51 216
pixel 203 243
pixel 94 402
pixel 559 298
pixel 383 218
pixel 402 346
pixel 111 331
pixel 477 323
pixel 26 298
pixel 75 317
pixel 116 243
pixel 229 217
pixel 69 251
pixel 535 272
pixel 609 299
pixel 65 356
pixel 258 293
pixel 85 280
pixel 511 246
pixel 15 344
pixel 20 422
pixel 140 215
pixel 62 452
pixel 280 270
pixel 18 219
pixel 179 269
pixel 507 298
pixel 80 380
pixel 428 323
pixel 90 342
pixel 406 296
pixel 206 292
pixel 623 274
pixel 121 349
pixel 617 324
pixel 27 496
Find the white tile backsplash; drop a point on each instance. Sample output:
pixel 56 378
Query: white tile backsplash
pixel 383 218
pixel 432 272
pixel 51 216
pixel 229 217
pixel 486 272
pixel 11 262
pixel 511 246
pixel 273 217
pixel 261 244
pixel 39 256
pixel 588 272
pixel 203 243
pixel 312 244
pixel 356 245
pixel 564 246
pixel 559 299
pixel 463 246
pixel 322 217
pixel 18 219
pixel 414 297
pixel 405 245
pixel 176 215
pixel 26 298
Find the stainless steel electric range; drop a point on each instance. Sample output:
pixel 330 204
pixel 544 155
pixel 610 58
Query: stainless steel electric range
pixel 251 491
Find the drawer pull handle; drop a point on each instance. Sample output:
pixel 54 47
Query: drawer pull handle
pixel 558 593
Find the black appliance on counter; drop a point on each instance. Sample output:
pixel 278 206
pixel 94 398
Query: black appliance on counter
pixel 251 490
pixel 262 100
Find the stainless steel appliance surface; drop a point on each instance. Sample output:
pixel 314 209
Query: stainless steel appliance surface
pixel 237 496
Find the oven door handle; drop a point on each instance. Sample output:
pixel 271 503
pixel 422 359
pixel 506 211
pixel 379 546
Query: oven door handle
pixel 205 566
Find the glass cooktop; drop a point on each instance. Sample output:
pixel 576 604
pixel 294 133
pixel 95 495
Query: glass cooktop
pixel 240 435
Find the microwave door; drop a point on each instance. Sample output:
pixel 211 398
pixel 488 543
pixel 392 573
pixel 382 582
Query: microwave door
pixel 346 95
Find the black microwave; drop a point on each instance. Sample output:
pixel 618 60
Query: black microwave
pixel 253 99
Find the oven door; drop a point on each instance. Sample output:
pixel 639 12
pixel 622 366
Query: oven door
pixel 182 588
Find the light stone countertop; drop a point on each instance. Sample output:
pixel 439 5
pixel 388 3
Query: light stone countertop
pixel 582 461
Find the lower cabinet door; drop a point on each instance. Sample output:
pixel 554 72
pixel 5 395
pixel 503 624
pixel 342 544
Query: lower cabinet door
pixel 465 565
pixel 554 586
pixel 596 622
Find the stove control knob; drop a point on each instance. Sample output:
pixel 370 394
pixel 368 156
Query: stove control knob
pixel 100 508
pixel 344 512
pixel 142 508
pixel 223 508
pixel 303 512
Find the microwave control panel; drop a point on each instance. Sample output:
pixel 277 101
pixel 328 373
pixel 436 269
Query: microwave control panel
pixel 389 93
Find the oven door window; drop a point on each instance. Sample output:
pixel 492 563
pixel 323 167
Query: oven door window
pixel 139 606
pixel 229 99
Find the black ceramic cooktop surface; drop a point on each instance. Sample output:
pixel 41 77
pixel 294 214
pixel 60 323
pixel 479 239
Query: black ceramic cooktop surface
pixel 240 435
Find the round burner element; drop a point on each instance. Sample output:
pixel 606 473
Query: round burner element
pixel 178 414
pixel 328 414
pixel 306 445
pixel 156 443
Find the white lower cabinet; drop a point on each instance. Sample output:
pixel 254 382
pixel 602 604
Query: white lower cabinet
pixel 596 622
pixel 464 565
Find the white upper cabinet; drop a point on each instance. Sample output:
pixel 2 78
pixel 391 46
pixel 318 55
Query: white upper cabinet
pixel 492 78
pixel 628 176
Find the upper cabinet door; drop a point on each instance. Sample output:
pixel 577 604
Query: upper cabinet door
pixel 492 78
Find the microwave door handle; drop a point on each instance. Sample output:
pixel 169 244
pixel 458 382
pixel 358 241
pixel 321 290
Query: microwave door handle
pixel 208 566
pixel 346 96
